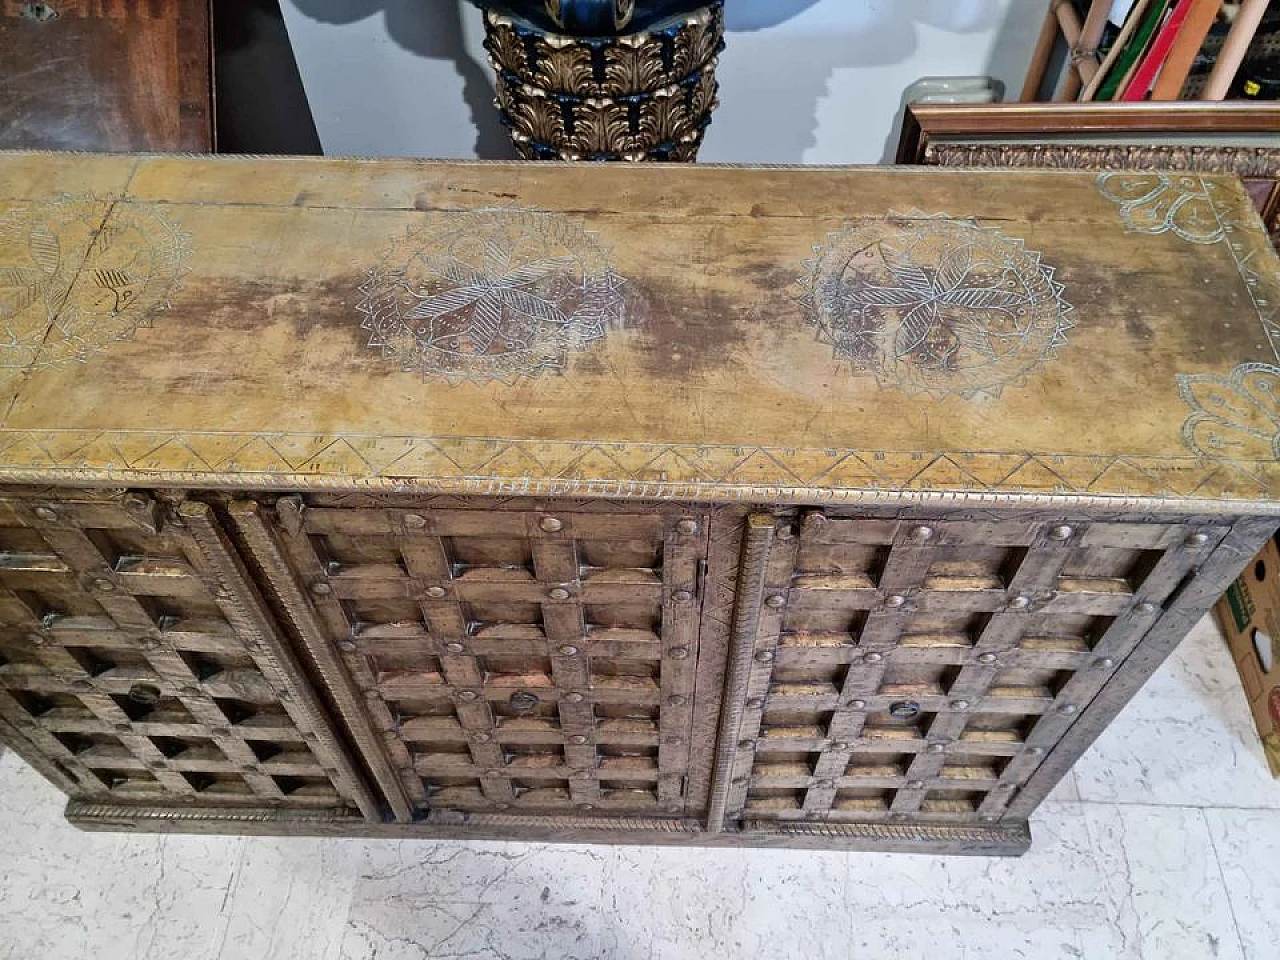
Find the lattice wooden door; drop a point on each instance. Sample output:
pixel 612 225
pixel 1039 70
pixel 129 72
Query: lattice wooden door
pixel 514 660
pixel 138 666
pixel 924 670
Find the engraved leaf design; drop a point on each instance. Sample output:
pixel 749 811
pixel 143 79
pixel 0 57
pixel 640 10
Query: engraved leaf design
pixel 938 304
pixel 534 307
pixel 45 249
pixel 915 330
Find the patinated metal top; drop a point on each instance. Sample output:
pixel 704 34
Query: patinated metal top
pixel 801 335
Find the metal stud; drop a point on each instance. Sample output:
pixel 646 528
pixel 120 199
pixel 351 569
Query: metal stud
pixel 502 806
pixel 567 650
pixel 46 513
pixel 746 744
pixel 687 526
pixel 103 586
pixel 896 600
pixel 1197 540
pixel 682 596
pixel 937 748
pixel 495 773
pixel 551 524
pixel 678 653
pixel 739 781
pixel 1061 533
pixel 1147 607
pixel 482 738
pixel 573 697
pixel 904 710
pixel 765 656
pixel 455 647
pixel 347 646
pixel 776 602
pixel 122 727
pixel 921 534
pixel 915 784
pixel 825 784
pixel 858 704
pixel 987 658
pixel 246 768
pixel 81 685
pixel 675 701
pixel 674 741
pixel 468 695
pixel 1036 751
pixel 558 593
pixel 1106 663
pixel 586 806
pixel 35 640
pixel 578 738
pixel 1019 603
pixel 755 703
pixel 321 589
pixel 840 745
pixel 873 657
pixel 414 521
pixel 1068 709
pixel 219 732
pixel 960 705
pixel 989 818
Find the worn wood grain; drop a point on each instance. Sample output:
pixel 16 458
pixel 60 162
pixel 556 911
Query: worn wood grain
pixel 687 363
pixel 107 76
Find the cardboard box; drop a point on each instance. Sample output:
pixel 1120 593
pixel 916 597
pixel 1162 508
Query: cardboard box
pixel 1249 614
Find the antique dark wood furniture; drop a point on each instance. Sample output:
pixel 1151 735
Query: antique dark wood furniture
pixel 806 507
pixel 119 76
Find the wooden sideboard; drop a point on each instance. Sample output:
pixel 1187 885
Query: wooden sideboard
pixel 804 507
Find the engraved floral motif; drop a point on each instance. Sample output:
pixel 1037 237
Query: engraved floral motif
pixel 490 295
pixel 1157 203
pixel 71 283
pixel 935 304
pixel 1237 417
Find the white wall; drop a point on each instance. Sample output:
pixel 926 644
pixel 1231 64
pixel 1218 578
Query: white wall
pixel 812 81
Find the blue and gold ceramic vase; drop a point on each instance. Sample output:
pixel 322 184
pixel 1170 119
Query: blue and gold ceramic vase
pixel 605 79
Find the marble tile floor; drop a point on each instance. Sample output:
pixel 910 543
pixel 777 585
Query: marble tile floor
pixel 1164 844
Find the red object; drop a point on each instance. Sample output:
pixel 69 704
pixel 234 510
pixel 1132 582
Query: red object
pixel 1143 80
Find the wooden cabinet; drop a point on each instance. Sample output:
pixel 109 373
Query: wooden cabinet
pixel 710 506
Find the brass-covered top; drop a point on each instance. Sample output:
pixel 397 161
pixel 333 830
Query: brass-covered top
pixel 794 335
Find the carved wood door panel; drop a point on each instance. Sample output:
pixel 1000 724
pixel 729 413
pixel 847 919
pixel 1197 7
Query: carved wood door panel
pixel 925 670
pixel 503 660
pixel 140 669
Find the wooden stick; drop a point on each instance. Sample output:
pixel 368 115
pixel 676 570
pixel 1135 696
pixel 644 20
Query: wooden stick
pixel 1084 56
pixel 1040 58
pixel 1130 25
pixel 1069 22
pixel 1234 50
pixel 1174 73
